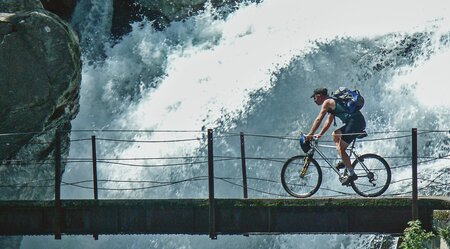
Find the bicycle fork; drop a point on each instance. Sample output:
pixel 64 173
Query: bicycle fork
pixel 305 166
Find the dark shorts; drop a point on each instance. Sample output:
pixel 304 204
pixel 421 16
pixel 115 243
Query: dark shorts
pixel 355 124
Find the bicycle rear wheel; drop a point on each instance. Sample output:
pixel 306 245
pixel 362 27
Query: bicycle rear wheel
pixel 374 175
pixel 300 178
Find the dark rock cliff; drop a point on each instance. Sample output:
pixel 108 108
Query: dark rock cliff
pixel 40 72
pixel 63 8
pixel 161 12
pixel 40 75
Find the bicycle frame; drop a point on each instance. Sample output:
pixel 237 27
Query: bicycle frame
pixel 315 148
pixel 374 174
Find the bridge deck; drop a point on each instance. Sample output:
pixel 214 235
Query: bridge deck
pixel 232 216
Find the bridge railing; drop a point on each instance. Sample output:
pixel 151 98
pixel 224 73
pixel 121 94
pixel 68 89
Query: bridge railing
pixel 243 150
pixel 253 169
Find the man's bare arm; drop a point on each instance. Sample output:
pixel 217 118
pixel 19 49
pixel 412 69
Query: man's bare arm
pixel 327 124
pixel 323 111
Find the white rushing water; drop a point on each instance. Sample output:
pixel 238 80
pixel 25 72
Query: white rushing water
pixel 254 71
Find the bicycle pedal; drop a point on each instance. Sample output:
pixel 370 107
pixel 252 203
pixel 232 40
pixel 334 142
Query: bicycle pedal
pixel 340 165
pixel 347 180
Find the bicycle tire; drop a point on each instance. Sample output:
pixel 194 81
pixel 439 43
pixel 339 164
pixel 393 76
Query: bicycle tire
pixel 294 184
pixel 377 181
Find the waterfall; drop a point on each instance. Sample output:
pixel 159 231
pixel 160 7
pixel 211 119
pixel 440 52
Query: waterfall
pixel 253 70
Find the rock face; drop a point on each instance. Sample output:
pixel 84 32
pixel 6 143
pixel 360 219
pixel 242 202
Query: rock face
pixel 40 75
pixel 160 12
pixel 40 72
pixel 10 6
pixel 63 8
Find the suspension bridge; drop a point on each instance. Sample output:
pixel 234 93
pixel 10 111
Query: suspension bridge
pixel 338 212
pixel 231 216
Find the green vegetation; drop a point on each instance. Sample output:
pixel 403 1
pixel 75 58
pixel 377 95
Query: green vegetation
pixel 441 219
pixel 445 234
pixel 415 237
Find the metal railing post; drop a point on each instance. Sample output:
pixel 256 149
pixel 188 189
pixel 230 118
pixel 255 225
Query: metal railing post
pixel 415 208
pixel 94 173
pixel 94 167
pixel 57 156
pixel 244 166
pixel 212 206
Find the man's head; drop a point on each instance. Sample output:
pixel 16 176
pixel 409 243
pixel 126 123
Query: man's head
pixel 320 95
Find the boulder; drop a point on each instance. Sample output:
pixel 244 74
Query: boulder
pixel 11 6
pixel 40 70
pixel 40 75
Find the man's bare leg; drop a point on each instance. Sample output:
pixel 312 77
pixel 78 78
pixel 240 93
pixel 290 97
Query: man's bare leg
pixel 341 147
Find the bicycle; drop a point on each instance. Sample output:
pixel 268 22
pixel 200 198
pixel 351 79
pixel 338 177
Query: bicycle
pixel 301 176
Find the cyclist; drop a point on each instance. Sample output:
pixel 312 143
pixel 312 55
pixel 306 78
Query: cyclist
pixel 353 123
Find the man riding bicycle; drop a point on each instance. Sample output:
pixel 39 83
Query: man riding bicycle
pixel 354 123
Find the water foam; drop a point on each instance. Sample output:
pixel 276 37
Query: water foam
pixel 254 71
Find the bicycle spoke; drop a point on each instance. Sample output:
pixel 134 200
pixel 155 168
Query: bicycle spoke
pixel 362 184
pixel 374 175
pixel 296 184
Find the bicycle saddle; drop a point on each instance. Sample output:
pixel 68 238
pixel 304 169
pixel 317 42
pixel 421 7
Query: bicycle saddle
pixel 362 135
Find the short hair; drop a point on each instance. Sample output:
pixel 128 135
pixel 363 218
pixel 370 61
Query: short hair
pixel 320 90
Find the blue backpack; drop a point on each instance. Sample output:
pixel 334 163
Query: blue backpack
pixel 352 101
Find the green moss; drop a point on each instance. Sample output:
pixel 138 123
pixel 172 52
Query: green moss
pixel 201 203
pixel 318 202
pixel 442 215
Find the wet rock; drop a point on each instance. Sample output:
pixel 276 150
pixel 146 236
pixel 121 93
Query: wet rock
pixel 63 8
pixel 40 72
pixel 160 12
pixel 11 6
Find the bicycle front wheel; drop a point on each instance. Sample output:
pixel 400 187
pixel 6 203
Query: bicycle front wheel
pixel 374 175
pixel 301 177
